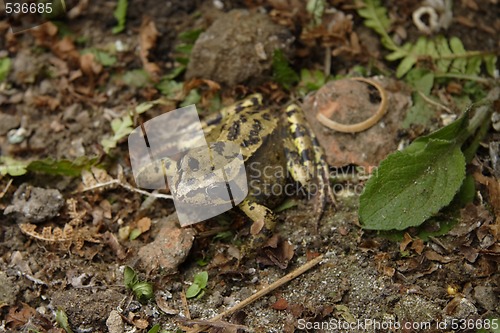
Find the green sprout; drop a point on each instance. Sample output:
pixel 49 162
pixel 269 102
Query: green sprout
pixel 197 289
pixel 142 290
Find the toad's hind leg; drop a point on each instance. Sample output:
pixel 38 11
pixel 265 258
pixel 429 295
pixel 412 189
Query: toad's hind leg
pixel 306 160
pixel 263 220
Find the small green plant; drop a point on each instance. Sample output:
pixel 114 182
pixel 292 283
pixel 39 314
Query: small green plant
pixel 62 320
pixel 4 68
pixel 412 185
pixel 120 15
pixel 142 290
pixel 282 72
pixel 197 289
pixel 448 57
pixel 13 167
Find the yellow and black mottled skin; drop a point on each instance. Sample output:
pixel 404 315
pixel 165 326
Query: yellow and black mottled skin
pixel 274 146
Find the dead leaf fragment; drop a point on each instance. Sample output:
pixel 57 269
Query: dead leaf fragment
pixel 148 34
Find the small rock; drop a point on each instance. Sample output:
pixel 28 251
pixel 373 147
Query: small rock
pixel 8 122
pixel 237 46
pixel 115 322
pixel 8 290
pixel 170 247
pixel 486 297
pixel 35 204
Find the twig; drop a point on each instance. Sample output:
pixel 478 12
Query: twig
pixel 128 187
pixel 430 101
pixel 264 291
pixel 6 188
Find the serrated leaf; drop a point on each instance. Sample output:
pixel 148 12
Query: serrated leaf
pixel 193 290
pixel 444 50
pixel 405 65
pixel 397 54
pixel 201 279
pixel 120 15
pixel 420 46
pixel 490 62
pixel 457 48
pixel 473 65
pixel 5 64
pixel 411 187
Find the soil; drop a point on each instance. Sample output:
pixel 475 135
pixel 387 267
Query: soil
pixel 64 247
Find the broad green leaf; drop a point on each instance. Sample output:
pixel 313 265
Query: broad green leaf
pixel 193 290
pixel 420 46
pixel 170 88
pixel 411 187
pixel 62 320
pixel 130 277
pixel 4 68
pixel 447 133
pixel 201 279
pixel 120 15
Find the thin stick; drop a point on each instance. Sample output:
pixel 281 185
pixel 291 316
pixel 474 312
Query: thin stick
pixel 128 187
pixel 264 291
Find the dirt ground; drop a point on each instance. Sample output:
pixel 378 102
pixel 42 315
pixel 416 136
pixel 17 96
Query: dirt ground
pixel 64 245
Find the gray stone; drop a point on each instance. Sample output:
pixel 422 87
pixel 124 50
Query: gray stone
pixel 238 46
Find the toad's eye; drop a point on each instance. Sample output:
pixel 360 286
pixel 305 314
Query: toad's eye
pixel 217 191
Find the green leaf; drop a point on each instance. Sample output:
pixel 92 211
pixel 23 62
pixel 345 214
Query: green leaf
pixel 13 167
pixel 287 204
pixel 190 36
pixel 201 279
pixel 193 290
pixel 5 64
pixel 282 72
pixel 136 78
pixel 143 291
pixel 155 329
pixel 444 51
pixel 121 128
pixel 104 58
pixel 130 277
pixel 50 166
pixel 405 65
pixel 170 88
pixel 62 320
pixel 120 15
pixel 193 97
pixel 316 8
pixel 490 62
pixel 134 234
pixel 411 187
